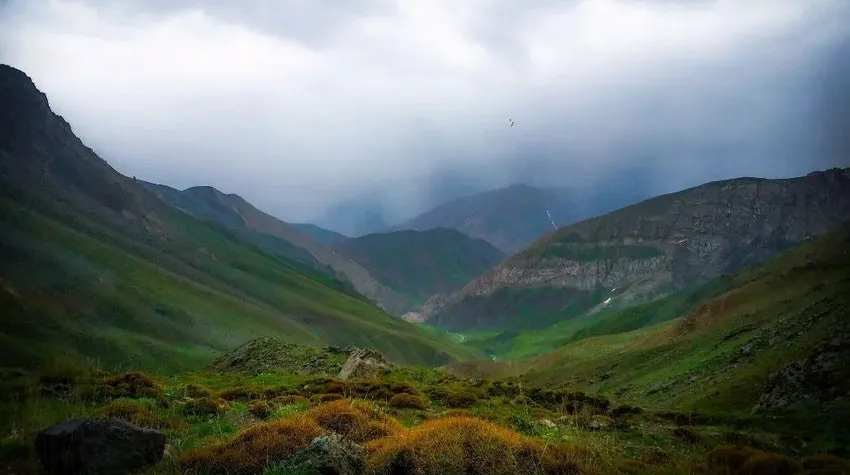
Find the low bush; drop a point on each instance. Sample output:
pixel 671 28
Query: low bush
pixel 254 449
pixel 460 399
pixel 322 398
pixel 408 401
pixel 260 409
pixel 242 393
pixel 357 420
pixel 139 413
pixel 130 385
pixel 469 446
pixel 205 407
pixel 288 399
pixel 402 387
pixel 196 391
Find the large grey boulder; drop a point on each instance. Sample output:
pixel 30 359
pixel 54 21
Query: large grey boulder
pixel 328 455
pixel 98 447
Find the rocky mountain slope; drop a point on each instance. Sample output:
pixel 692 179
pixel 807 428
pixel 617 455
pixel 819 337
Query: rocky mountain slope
pixel 513 217
pixel 774 339
pixel 648 250
pixel 96 267
pixel 276 236
pixel 418 264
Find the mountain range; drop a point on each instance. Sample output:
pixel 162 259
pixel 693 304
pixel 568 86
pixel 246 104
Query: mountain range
pixel 647 250
pixel 513 217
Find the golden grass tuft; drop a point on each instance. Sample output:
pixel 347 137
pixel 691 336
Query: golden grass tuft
pixel 131 385
pixel 138 413
pixel 356 420
pixel 408 401
pixel 328 397
pixel 289 399
pixel 254 449
pixel 466 445
pixel 196 391
pixel 205 406
pixel 260 409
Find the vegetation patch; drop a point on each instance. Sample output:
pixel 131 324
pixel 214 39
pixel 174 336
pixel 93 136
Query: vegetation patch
pixel 254 449
pixel 469 446
pixel 274 355
pixel 355 420
pixel 408 401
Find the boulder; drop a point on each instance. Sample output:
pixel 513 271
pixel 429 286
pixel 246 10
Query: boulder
pixel 98 446
pixel 363 363
pixel 327 455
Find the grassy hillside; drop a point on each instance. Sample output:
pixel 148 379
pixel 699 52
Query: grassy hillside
pixel 96 267
pixel 276 237
pixel 721 356
pixel 419 264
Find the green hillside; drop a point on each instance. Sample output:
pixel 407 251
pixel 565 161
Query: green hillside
pixel 727 346
pixel 419 264
pixel 96 267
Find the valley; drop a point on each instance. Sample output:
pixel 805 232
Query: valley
pixel 703 331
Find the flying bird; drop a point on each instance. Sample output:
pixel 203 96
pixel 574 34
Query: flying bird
pixel 512 122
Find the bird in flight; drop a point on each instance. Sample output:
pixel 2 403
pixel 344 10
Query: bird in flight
pixel 512 122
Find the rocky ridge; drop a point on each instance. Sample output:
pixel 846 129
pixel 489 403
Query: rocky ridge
pixel 666 243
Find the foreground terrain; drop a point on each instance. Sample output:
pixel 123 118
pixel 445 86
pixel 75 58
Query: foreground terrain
pixel 406 421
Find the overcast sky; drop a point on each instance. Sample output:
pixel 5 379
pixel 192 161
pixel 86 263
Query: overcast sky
pixel 299 104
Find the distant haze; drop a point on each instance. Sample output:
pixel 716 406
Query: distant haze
pixel 394 107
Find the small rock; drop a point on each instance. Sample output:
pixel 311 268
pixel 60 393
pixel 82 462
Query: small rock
pixel 328 455
pixel 168 452
pixel 547 423
pixel 599 423
pixel 98 446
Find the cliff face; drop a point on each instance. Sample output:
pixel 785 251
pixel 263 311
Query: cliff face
pixel 663 244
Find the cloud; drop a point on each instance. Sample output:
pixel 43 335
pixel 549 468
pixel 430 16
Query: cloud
pixel 299 104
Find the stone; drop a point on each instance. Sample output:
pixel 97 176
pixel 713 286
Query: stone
pixel 547 423
pixel 98 446
pixel 327 455
pixel 363 363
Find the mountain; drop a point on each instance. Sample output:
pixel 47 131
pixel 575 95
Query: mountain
pixel 419 264
pixel 97 267
pixel 511 218
pixel 648 250
pixel 322 235
pixel 775 337
pixel 277 237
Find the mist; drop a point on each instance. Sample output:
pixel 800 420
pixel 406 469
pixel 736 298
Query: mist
pixel 300 107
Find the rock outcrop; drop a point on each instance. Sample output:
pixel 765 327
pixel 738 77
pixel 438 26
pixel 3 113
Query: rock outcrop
pixel 363 363
pixel 661 245
pixel 98 447
pixel 328 455
pixel 822 377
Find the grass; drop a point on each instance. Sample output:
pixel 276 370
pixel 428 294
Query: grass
pixel 89 292
pixel 419 264
pixel 508 427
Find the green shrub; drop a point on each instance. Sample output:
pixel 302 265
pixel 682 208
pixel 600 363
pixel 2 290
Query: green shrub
pixel 260 409
pixel 460 399
pixel 408 401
